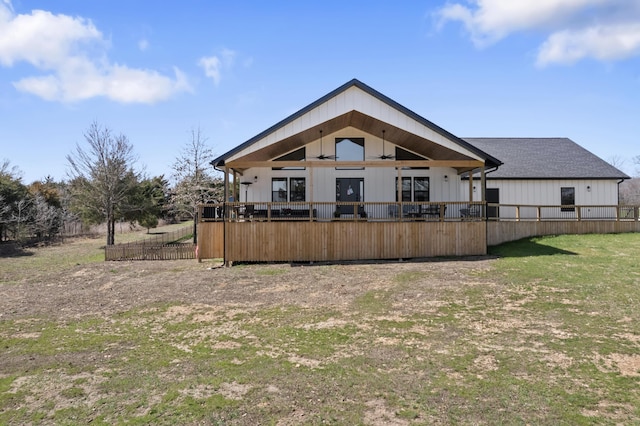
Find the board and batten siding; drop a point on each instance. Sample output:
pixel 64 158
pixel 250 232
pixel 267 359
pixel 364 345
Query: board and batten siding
pixel 541 192
pixel 352 99
pixel 379 182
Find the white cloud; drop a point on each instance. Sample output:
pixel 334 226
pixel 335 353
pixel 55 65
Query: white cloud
pixel 143 44
pixel 211 67
pixel 72 53
pixel 605 43
pixel 82 81
pixel 577 29
pixel 215 65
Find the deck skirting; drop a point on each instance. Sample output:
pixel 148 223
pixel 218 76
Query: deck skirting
pixel 499 232
pixel 339 240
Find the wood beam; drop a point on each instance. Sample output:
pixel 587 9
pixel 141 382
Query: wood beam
pixel 340 164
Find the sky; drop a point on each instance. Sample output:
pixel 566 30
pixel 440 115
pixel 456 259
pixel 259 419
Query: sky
pixel 155 71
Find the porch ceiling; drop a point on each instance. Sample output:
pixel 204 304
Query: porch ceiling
pixel 368 124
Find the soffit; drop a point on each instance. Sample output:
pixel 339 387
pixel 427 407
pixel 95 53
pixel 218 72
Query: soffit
pixel 366 123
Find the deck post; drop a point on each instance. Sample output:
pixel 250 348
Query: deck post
pixel 483 184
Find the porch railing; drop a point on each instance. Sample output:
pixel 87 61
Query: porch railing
pixel 448 211
pixel 345 211
pixel 514 212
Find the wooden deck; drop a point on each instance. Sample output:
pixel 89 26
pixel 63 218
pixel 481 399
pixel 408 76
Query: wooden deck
pixel 381 235
pixel 339 240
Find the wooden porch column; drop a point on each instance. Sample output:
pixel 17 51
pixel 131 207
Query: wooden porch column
pixel 471 186
pixel 483 184
pixel 311 186
pixel 235 186
pixel 226 185
pixel 399 185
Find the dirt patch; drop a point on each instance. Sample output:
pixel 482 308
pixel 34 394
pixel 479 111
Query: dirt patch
pixel 108 288
pixel 626 365
pixel 378 414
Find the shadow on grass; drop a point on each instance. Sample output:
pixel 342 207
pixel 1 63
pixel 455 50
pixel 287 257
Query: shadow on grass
pixel 385 261
pixel 13 250
pixel 527 247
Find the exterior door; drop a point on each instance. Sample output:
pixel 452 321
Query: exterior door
pixel 349 189
pixel 492 195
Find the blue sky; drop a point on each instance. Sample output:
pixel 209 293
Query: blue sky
pixel 153 71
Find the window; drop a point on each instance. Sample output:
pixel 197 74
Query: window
pixel 297 189
pixel 297 155
pixel 279 190
pixel 288 189
pixel 350 149
pixel 421 189
pixel 567 198
pixel 414 189
pixel 403 154
pixel 406 189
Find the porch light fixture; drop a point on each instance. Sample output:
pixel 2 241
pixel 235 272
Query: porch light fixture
pixel 446 178
pixel 474 189
pixel 255 178
pixel 588 188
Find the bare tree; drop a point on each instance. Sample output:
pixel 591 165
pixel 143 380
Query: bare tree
pixel 21 217
pixel 103 176
pixel 636 161
pixel 616 161
pixel 193 183
pixel 47 218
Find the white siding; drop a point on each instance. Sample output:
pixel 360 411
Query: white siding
pixel 588 192
pixel 349 100
pixel 379 183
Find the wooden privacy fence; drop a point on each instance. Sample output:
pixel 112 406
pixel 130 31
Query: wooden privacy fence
pixel 150 252
pixel 158 247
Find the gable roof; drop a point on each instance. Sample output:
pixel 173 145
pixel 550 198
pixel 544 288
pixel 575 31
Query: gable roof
pixel 356 119
pixel 545 158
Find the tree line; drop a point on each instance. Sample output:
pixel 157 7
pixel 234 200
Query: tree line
pixel 105 185
pixel 629 189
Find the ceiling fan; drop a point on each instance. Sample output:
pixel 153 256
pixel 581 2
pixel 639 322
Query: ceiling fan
pixel 385 156
pixel 322 156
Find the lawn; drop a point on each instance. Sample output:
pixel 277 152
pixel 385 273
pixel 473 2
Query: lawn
pixel 542 331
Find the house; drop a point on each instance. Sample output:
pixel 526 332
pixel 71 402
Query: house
pixel 355 175
pixel 548 172
pixel 353 145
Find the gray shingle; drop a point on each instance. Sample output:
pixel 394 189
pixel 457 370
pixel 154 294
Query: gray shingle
pixel 544 158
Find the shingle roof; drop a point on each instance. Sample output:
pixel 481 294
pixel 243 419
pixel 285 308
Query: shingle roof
pixel 544 158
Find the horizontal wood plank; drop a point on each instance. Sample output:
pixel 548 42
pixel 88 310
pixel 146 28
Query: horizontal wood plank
pixel 377 163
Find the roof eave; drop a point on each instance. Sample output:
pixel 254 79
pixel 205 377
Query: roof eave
pixel 490 161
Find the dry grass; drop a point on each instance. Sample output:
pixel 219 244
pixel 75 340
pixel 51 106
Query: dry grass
pixel 547 334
